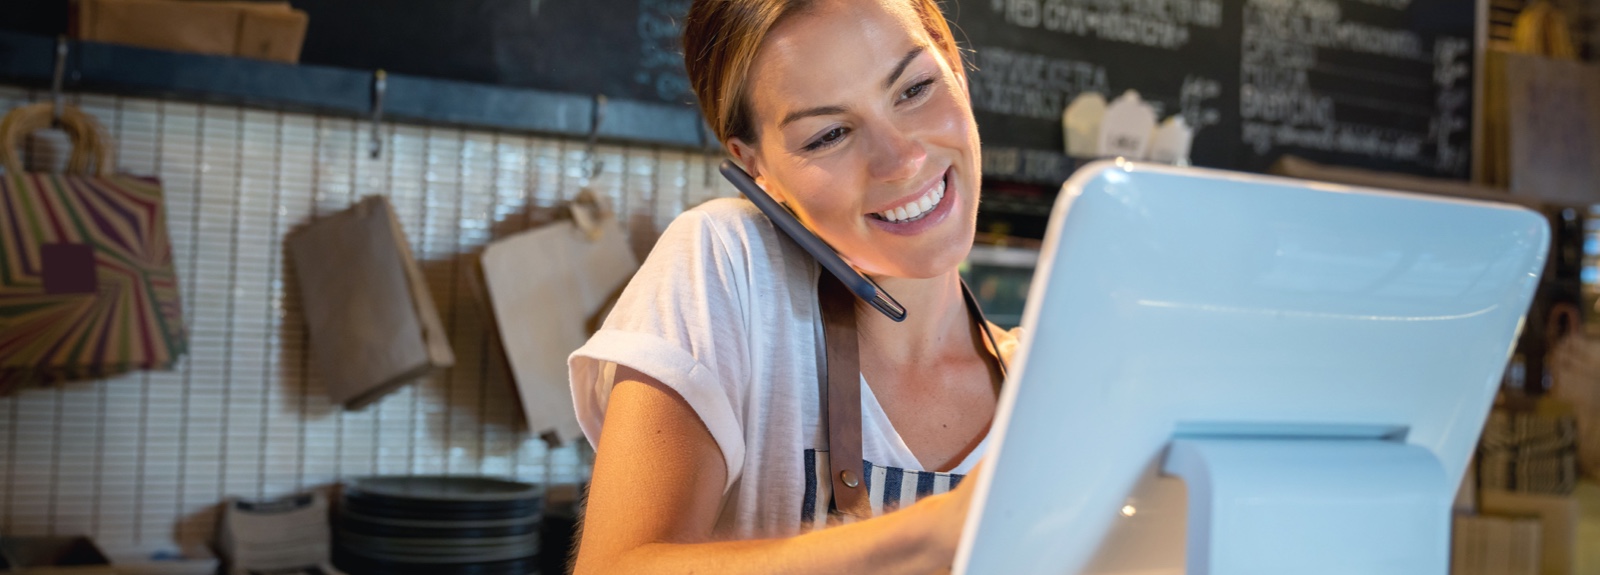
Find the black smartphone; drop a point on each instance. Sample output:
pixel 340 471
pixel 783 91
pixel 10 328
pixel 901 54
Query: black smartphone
pixel 861 285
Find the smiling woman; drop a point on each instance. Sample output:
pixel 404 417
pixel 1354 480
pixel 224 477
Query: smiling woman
pixel 877 105
pixel 703 392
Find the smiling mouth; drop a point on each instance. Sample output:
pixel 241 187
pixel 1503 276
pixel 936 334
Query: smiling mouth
pixel 916 209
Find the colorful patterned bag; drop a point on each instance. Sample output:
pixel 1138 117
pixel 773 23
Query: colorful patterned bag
pixel 87 287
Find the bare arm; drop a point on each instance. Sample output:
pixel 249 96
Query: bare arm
pixel 657 492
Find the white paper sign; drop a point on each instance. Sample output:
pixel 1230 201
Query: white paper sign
pixel 1081 123
pixel 1125 131
pixel 1169 144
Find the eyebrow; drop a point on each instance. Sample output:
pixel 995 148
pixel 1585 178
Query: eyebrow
pixel 899 68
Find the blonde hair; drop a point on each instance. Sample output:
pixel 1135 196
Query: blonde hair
pixel 720 40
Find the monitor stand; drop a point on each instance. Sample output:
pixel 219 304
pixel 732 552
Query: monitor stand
pixel 1312 503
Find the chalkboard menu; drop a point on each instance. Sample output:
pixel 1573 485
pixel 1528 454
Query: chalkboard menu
pixel 1383 84
pixel 619 48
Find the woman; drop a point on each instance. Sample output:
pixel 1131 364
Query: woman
pixel 855 114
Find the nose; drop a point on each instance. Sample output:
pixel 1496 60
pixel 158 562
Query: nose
pixel 895 155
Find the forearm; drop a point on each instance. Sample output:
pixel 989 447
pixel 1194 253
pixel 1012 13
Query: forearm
pixel 896 543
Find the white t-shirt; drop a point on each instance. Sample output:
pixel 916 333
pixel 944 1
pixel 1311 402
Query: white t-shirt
pixel 724 311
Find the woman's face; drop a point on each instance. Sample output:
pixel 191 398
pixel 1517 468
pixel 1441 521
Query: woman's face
pixel 864 129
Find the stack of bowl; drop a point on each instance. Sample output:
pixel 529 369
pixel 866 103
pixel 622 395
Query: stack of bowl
pixel 439 525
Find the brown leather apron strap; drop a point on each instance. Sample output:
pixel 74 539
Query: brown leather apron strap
pixel 843 396
pixel 976 311
pixel 842 389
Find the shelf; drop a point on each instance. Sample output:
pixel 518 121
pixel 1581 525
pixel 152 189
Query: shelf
pixel 28 59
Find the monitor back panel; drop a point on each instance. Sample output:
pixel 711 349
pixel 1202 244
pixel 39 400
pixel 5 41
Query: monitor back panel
pixel 1172 298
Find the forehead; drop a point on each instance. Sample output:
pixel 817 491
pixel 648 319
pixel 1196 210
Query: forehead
pixel 831 49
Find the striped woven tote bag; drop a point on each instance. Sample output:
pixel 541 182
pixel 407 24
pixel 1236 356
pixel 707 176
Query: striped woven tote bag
pixel 87 287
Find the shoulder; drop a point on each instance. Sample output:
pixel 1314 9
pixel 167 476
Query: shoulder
pixel 723 259
pixel 1006 341
pixel 736 234
pixel 727 209
pixel 728 218
pixel 717 236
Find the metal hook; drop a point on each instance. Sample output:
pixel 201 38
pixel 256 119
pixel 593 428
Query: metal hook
pixel 58 79
pixel 596 118
pixel 380 85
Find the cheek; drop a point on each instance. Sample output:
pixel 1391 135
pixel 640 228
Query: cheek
pixel 952 127
pixel 952 116
pixel 824 198
pixel 830 206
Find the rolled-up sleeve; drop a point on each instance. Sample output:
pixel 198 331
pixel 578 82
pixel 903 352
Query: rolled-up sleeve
pixel 681 321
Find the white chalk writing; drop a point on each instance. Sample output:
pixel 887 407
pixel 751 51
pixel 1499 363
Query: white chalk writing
pixel 1025 165
pixel 1452 67
pixel 1155 23
pixel 1192 97
pixel 1030 85
pixel 661 61
pixel 1280 107
pixel 1317 23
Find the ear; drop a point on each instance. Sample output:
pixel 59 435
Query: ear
pixel 748 157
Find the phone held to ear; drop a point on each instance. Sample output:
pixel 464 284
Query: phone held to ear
pixel 861 285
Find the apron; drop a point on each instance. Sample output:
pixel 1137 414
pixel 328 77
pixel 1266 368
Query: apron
pixel 858 492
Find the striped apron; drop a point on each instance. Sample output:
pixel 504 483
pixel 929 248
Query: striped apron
pixel 888 489
pixel 884 488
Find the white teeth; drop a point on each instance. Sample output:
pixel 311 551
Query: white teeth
pixel 916 207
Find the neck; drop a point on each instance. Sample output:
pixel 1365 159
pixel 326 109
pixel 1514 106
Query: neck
pixel 936 320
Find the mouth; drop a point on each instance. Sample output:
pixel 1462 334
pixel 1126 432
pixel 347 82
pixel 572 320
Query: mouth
pixel 930 202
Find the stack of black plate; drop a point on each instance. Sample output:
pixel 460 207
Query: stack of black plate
pixel 439 525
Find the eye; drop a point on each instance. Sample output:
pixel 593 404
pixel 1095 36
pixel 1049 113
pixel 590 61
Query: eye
pixel 827 139
pixel 916 90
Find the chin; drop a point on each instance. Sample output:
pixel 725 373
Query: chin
pixel 936 259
